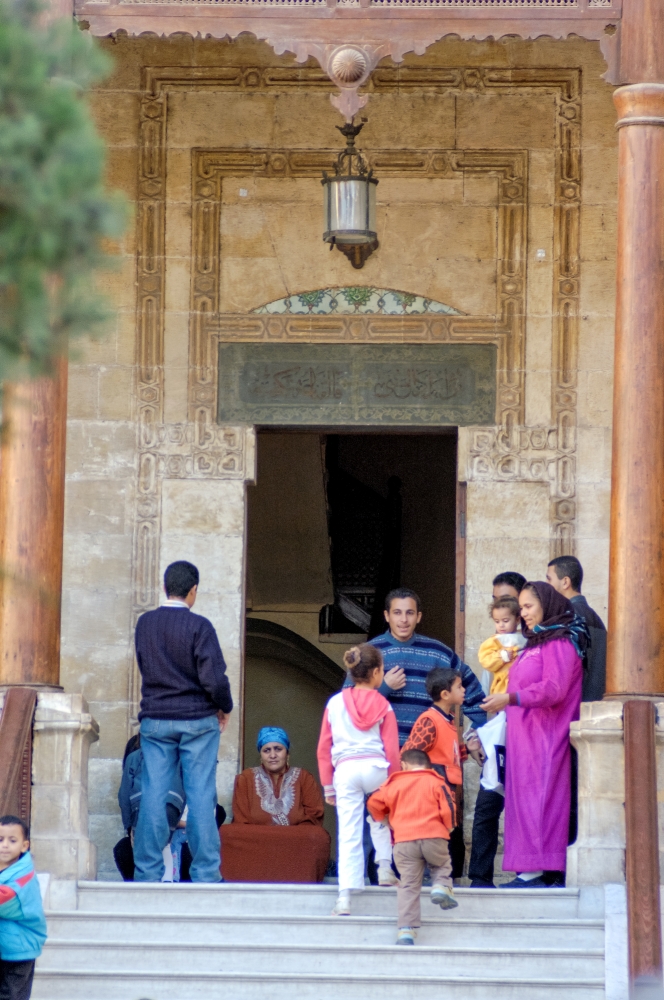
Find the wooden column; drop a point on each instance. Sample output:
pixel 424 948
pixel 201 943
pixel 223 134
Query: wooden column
pixel 635 662
pixel 635 655
pixel 32 488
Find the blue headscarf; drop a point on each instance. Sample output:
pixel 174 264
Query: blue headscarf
pixel 272 734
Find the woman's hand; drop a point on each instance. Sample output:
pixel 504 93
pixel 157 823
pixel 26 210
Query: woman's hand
pixel 331 800
pixel 495 702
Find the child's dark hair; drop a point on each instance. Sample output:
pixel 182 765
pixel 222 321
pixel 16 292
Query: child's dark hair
pixel 510 603
pixel 440 679
pixel 10 820
pixel 417 757
pixel 362 660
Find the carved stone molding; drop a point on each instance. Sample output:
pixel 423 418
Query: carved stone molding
pixel 180 451
pixel 531 455
pixel 505 329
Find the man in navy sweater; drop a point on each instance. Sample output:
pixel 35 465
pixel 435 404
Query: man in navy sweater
pixel 185 704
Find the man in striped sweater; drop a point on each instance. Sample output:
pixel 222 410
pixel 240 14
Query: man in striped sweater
pixel 408 658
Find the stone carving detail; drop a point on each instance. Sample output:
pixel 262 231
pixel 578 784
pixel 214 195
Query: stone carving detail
pixel 178 451
pixel 531 455
pixel 323 385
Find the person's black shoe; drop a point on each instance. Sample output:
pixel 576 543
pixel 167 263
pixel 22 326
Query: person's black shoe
pixel 525 883
pixel 477 883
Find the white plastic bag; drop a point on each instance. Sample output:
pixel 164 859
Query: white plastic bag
pixel 492 736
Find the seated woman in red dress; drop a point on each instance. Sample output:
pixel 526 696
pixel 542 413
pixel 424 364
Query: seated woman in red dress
pixel 277 831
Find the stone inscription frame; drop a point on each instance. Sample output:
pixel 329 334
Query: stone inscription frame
pixel 506 329
pixel 506 452
pixel 344 385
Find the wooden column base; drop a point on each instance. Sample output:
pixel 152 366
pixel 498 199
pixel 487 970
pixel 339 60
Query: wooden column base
pixel 642 854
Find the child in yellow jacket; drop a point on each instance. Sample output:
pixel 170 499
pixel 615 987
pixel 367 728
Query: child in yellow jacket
pixel 498 653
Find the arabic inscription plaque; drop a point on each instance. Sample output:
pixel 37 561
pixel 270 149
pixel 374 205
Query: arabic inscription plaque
pixel 357 384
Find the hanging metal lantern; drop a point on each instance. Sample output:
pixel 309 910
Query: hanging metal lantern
pixel 350 202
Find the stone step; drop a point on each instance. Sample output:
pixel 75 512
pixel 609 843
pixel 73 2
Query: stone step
pixel 288 958
pixel 437 929
pixel 257 985
pixel 317 900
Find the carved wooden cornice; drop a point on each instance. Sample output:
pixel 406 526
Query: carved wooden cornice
pixel 373 29
pixel 312 28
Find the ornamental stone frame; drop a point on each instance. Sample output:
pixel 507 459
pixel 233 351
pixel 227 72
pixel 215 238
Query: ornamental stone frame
pixel 508 451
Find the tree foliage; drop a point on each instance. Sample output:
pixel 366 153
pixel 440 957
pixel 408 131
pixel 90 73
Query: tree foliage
pixel 55 214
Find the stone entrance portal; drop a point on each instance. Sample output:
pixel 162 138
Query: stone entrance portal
pixel 334 521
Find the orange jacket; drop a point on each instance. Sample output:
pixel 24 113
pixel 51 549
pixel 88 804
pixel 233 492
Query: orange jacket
pixel 437 736
pixel 418 804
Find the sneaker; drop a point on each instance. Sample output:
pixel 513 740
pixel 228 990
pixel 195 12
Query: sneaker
pixel 406 935
pixel 386 875
pixel 443 896
pixel 342 905
pixel 525 883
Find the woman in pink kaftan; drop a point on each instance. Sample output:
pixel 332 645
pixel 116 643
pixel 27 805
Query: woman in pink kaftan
pixel 543 697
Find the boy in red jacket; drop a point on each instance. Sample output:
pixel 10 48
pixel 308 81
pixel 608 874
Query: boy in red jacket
pixel 420 809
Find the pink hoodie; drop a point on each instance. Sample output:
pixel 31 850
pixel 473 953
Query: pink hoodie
pixel 358 724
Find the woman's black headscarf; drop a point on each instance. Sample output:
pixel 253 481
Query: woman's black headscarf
pixel 559 621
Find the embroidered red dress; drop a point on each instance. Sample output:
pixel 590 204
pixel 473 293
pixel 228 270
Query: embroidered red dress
pixel 277 833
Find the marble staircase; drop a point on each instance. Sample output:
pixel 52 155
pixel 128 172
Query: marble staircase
pixel 248 942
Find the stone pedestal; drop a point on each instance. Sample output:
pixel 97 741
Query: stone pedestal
pixel 63 731
pixel 598 856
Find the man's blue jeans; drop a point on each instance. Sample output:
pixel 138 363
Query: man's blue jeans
pixel 193 743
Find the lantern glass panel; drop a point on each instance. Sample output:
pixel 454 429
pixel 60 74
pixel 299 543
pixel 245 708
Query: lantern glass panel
pixel 350 210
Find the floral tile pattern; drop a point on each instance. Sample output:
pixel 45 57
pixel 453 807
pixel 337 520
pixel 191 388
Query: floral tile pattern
pixel 356 299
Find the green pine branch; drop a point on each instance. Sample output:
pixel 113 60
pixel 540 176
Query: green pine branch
pixel 55 213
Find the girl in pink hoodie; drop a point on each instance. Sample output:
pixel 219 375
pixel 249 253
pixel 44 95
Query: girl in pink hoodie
pixel 358 749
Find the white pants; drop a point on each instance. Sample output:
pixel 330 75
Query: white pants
pixel 353 781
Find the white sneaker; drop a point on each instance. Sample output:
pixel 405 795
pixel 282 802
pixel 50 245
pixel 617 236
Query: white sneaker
pixel 386 875
pixel 443 896
pixel 342 905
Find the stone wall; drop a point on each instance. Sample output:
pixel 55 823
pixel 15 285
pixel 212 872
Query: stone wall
pixel 497 168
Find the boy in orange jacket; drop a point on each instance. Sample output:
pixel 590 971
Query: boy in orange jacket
pixel 435 731
pixel 420 811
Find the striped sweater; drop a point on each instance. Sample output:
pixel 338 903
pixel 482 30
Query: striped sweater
pixel 417 657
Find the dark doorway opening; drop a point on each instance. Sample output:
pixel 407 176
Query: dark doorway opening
pixel 334 521
pixel 392 523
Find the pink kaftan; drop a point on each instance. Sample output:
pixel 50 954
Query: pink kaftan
pixel 537 779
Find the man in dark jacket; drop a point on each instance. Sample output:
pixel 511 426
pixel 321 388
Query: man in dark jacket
pixel 185 703
pixel 565 573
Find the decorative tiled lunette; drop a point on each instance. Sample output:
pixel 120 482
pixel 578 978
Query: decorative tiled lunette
pixel 355 300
